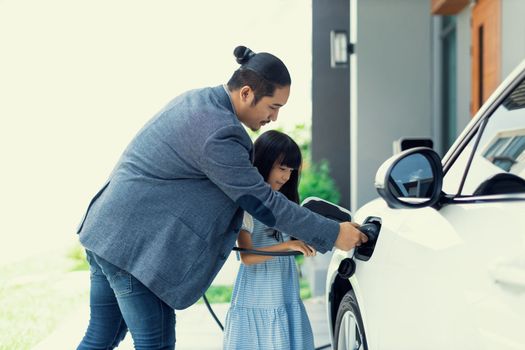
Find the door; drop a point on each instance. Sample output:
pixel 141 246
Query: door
pixel 485 51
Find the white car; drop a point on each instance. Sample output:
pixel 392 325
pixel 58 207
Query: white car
pixel 448 268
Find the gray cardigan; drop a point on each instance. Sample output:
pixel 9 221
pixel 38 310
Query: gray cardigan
pixel 172 207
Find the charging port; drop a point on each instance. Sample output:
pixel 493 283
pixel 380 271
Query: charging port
pixel 365 251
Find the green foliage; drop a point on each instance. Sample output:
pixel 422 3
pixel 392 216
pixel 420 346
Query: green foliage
pixel 304 289
pixel 218 294
pixel 35 296
pixel 299 260
pixel 316 181
pixel 77 254
pixel 38 293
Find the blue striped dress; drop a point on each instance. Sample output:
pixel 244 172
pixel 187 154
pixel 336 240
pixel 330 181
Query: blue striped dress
pixel 266 311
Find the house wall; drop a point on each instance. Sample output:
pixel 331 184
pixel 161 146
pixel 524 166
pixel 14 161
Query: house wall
pixel 330 91
pixel 512 35
pixel 392 85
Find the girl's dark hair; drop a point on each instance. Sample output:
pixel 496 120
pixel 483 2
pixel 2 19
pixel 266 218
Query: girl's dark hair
pixel 276 147
pixel 262 72
pixel 273 146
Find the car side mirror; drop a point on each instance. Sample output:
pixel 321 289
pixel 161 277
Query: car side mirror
pixel 411 179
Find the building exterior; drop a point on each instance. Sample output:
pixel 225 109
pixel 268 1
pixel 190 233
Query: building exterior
pixel 419 70
pixel 416 70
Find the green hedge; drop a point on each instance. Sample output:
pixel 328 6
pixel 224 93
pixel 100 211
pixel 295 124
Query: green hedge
pixel 316 181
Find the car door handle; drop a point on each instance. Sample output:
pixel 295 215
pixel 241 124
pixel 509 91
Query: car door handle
pixel 509 273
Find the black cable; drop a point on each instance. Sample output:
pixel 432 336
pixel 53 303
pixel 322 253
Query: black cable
pixel 211 312
pixel 261 252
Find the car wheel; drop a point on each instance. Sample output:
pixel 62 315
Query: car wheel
pixel 349 333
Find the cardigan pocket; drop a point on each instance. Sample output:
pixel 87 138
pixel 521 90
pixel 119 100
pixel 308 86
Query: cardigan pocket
pixel 180 250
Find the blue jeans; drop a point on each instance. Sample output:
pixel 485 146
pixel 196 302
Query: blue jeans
pixel 119 302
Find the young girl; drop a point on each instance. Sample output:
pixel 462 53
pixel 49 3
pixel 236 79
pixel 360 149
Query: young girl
pixel 266 311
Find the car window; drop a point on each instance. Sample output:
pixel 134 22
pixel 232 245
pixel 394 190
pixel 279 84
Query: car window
pixel 498 165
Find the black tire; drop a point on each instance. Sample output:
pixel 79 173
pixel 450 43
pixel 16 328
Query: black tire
pixel 349 317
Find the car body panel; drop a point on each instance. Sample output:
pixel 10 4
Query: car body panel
pixel 447 249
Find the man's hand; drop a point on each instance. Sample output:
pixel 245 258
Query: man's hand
pixel 349 236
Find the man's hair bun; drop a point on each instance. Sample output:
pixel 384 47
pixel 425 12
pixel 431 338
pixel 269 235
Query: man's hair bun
pixel 265 66
pixel 243 54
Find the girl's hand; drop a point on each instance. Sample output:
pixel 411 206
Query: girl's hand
pixel 302 247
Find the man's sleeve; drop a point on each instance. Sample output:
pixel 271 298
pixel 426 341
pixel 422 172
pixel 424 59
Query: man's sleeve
pixel 225 159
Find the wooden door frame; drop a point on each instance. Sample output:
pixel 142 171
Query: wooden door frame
pixel 485 52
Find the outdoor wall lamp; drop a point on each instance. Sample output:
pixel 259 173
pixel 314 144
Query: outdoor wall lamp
pixel 339 48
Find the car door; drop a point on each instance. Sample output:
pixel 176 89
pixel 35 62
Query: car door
pixel 488 213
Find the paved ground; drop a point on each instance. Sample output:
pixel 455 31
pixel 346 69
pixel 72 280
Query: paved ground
pixel 196 329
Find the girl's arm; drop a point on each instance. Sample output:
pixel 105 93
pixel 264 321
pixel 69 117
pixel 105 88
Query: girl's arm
pixel 245 241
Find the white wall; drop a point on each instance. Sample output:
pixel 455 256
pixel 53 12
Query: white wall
pixel 512 35
pixel 393 81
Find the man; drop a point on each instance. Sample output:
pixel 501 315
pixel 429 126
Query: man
pixel 163 225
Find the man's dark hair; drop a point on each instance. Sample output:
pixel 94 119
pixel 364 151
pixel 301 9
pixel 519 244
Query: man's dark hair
pixel 262 72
